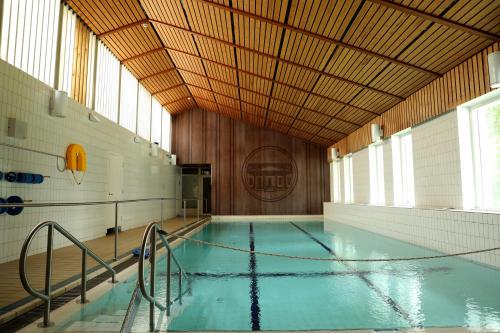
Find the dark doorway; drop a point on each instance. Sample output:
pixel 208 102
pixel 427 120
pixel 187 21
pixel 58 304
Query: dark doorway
pixel 207 191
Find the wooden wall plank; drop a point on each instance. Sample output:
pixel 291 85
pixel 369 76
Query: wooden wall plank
pixel 225 143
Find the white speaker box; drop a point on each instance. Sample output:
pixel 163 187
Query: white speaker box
pixel 494 69
pixel 333 154
pixel 376 132
pixel 58 103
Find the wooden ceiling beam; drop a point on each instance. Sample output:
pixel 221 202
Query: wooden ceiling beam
pixel 167 89
pixel 437 19
pixel 321 37
pixel 124 27
pixel 254 115
pixel 144 54
pixel 258 106
pixel 272 57
pixel 269 79
pixel 189 98
pixel 166 71
pixel 275 98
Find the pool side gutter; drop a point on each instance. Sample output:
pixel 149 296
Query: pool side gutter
pixel 267 218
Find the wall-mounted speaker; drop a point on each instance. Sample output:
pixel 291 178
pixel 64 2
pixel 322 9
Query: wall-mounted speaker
pixel 376 132
pixel 58 103
pixel 333 154
pixel 494 66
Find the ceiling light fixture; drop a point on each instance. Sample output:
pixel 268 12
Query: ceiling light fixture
pixel 145 25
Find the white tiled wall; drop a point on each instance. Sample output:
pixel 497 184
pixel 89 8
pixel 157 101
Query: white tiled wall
pixel 27 99
pixel 361 176
pixel 436 163
pixel 447 231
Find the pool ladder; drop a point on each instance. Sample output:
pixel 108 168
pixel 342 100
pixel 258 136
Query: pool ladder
pixel 150 237
pixel 47 296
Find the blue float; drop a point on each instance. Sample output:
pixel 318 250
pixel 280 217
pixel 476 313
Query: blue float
pixel 14 199
pixel 38 179
pixel 137 252
pixel 10 177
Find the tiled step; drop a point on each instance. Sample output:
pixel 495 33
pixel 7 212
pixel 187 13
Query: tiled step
pixel 101 323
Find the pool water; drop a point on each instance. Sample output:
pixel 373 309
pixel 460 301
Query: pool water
pixel 241 291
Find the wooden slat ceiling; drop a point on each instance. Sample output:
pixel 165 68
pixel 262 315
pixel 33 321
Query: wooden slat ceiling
pixel 317 69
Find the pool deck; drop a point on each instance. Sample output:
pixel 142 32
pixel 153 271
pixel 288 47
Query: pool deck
pixel 67 262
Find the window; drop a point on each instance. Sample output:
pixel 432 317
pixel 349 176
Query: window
pixel 108 73
pixel 144 113
pixel 156 110
pixel 348 183
pixel 67 50
pixel 376 156
pixel 402 162
pixel 166 130
pixel 479 128
pixel 128 100
pixel 335 186
pixel 29 36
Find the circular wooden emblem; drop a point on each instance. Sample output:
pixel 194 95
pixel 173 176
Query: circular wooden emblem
pixel 269 173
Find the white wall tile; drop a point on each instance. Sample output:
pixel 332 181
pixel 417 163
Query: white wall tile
pixel 361 176
pixel 436 162
pixel 27 99
pixel 447 231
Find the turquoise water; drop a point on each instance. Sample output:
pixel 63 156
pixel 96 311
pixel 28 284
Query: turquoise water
pixel 238 291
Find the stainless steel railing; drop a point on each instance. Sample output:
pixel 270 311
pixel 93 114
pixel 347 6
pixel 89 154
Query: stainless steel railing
pixel 47 296
pixel 150 235
pixel 184 202
pixel 94 203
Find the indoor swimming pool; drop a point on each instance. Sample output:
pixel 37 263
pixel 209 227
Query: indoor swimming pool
pixel 241 291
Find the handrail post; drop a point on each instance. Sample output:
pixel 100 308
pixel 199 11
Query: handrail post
pixel 48 275
pixel 83 293
pixel 116 232
pixel 152 260
pixel 180 285
pixel 184 201
pixel 169 270
pixel 161 212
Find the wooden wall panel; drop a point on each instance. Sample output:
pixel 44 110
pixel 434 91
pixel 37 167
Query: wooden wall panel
pixel 466 81
pixel 201 137
pixel 80 63
pixel 197 134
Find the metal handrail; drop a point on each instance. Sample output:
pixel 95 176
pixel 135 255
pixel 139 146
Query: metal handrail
pixel 150 234
pixel 185 200
pixel 47 297
pixel 94 203
pixel 82 203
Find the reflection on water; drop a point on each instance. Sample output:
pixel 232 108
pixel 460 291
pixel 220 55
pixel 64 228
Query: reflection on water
pixel 315 295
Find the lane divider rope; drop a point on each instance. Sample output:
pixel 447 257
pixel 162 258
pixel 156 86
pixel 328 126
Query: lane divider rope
pixel 239 249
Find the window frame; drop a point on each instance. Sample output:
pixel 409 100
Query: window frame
pixel 403 182
pixel 335 188
pixel 468 128
pixel 348 179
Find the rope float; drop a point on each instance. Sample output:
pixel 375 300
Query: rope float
pixel 227 247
